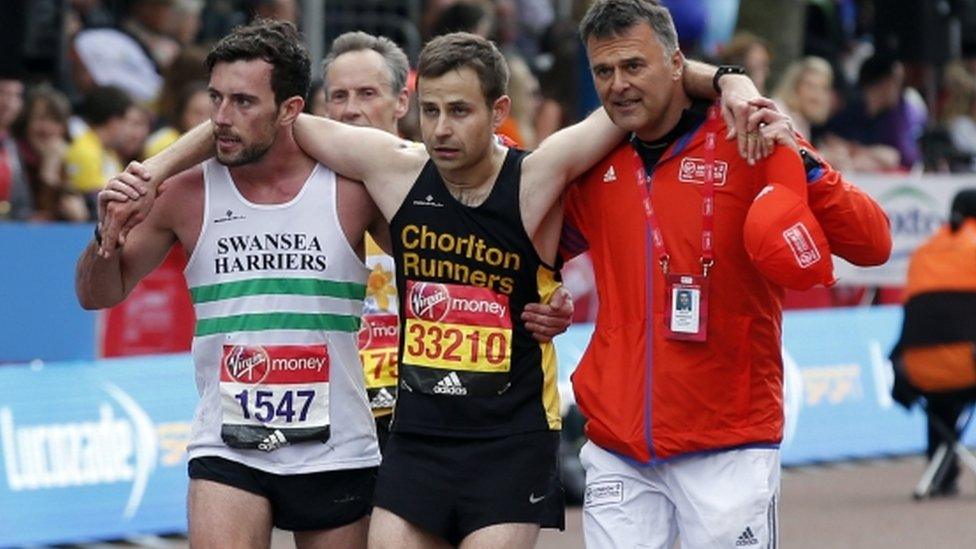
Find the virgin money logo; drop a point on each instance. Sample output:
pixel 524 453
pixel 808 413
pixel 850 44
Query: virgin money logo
pixel 801 243
pixel 692 170
pixel 247 364
pixel 429 301
pixel 365 335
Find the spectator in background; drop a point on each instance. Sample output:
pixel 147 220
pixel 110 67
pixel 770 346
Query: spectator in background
pixel 15 197
pixel 186 21
pixel 751 52
pixel 805 93
pixel 138 123
pixel 280 10
pixel 93 157
pixel 192 108
pixel 188 67
pixel 878 128
pixel 959 110
pixel 560 79
pixel 473 17
pixel 42 138
pixel 151 22
pixel 934 354
pixel 523 89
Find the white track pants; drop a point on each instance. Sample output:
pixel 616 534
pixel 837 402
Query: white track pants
pixel 713 501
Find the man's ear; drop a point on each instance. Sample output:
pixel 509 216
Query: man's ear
pixel 289 110
pixel 677 65
pixel 500 110
pixel 402 103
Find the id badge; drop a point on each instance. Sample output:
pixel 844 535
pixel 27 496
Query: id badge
pixel 686 307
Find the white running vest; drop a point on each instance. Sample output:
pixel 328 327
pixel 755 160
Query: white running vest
pixel 278 294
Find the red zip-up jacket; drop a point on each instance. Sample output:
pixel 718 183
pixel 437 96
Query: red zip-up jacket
pixel 651 398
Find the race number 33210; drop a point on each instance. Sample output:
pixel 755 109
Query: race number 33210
pixel 457 327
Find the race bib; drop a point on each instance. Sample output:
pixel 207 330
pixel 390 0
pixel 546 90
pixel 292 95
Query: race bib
pixel 457 340
pixel 378 341
pixel 274 395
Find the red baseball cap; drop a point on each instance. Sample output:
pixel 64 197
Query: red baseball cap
pixel 782 237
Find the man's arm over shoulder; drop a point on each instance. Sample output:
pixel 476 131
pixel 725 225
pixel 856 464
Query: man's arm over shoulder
pixel 856 226
pixel 561 158
pixel 387 164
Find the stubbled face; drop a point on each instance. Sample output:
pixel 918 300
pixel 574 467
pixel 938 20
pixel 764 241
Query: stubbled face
pixel 814 95
pixel 634 80
pixel 11 102
pixel 456 123
pixel 243 111
pixel 358 91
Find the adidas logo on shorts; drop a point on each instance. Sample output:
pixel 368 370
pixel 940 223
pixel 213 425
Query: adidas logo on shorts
pixel 273 441
pixel 610 175
pixel 746 538
pixel 450 385
pixel 383 399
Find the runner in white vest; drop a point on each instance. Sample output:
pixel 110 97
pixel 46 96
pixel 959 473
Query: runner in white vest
pixel 278 293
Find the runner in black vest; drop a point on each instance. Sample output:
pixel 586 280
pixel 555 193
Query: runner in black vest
pixel 465 274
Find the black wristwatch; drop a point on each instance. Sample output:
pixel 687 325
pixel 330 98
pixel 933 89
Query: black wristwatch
pixel 722 71
pixel 810 162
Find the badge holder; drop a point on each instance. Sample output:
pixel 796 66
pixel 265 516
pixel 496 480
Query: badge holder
pixel 686 306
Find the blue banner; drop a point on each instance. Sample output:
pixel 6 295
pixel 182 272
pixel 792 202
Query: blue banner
pixel 40 316
pixel 94 450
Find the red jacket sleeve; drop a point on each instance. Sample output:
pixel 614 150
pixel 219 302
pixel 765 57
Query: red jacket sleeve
pixel 857 229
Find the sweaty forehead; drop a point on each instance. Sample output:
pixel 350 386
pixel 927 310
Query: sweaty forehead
pixel 252 77
pixel 636 41
pixel 458 85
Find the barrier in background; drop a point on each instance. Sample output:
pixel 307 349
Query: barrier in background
pixel 96 450
pixel 93 451
pixel 39 315
pixel 917 205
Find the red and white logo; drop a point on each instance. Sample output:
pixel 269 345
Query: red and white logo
pixel 247 364
pixel 428 301
pixel 804 250
pixel 692 170
pixel 365 335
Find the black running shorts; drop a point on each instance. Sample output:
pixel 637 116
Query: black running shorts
pixel 451 487
pixel 312 501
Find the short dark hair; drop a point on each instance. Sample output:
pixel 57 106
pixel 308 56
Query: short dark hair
pixel 875 69
pixel 104 103
pixel 396 61
pixel 608 18
pixel 462 49
pixel 276 42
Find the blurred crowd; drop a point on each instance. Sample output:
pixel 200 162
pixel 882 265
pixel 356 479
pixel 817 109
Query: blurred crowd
pixel 129 78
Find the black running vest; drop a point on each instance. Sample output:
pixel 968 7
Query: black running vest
pixel 468 366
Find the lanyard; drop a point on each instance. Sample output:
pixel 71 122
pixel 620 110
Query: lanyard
pixel 708 202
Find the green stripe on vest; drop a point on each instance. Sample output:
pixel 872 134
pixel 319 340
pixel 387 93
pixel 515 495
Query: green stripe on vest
pixel 276 321
pixel 278 286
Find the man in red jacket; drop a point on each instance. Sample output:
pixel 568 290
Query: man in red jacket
pixel 684 405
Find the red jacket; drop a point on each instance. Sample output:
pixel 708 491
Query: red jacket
pixel 652 398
